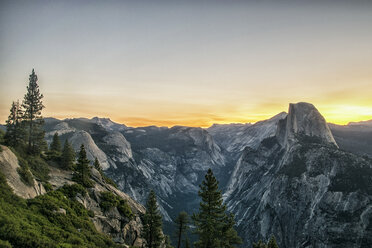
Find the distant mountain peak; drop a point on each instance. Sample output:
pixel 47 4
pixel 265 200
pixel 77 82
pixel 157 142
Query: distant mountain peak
pixel 361 123
pixel 303 119
pixel 108 124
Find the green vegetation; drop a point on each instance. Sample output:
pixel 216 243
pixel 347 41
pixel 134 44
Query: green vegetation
pixel 5 244
pixel 83 173
pixel 182 224
pixel 97 165
pixel 39 168
pixel 214 226
pixel 124 209
pixel 109 201
pixel 51 220
pixel 167 242
pixel 34 163
pixel 152 223
pixel 55 146
pixel 48 187
pixel 270 244
pixel 68 156
pixel 33 105
pixel 55 149
pixel 72 190
pixel 26 175
pixel 15 126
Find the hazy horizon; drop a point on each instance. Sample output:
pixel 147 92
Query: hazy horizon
pixel 190 63
pixel 227 123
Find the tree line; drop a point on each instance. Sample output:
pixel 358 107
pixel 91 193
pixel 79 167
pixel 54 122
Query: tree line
pixel 213 224
pixel 25 122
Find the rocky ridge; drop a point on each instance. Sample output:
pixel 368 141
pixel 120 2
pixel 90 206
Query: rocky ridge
pixel 300 187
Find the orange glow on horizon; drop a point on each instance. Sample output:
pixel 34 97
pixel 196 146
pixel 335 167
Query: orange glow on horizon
pixel 340 114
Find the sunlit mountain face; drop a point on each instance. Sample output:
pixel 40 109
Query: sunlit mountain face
pixel 188 63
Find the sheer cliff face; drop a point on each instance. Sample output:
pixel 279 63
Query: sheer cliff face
pixel 303 119
pixel 233 138
pixel 300 187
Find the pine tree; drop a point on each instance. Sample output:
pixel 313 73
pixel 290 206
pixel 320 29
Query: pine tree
pixel 182 222
pixel 167 242
pixel 272 243
pixel 33 106
pixel 213 225
pixel 82 169
pixel 259 244
pixel 152 223
pixel 187 243
pixel 14 127
pixel 68 156
pixel 97 165
pixel 55 146
pixel 229 236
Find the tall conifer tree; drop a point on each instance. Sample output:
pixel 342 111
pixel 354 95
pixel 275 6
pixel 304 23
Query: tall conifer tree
pixel 272 243
pixel 97 165
pixel 68 156
pixel 55 146
pixel 152 223
pixel 33 106
pixel 82 168
pixel 182 222
pixel 14 127
pixel 213 225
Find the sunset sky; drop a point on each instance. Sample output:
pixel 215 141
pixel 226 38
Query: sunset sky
pixel 189 63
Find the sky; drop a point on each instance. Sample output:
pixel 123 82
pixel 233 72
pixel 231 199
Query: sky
pixel 190 63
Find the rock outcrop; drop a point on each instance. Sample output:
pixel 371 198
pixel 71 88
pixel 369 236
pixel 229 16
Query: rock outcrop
pixel 303 119
pixel 8 166
pixel 302 188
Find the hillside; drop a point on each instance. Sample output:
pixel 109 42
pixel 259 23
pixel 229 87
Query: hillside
pixel 66 214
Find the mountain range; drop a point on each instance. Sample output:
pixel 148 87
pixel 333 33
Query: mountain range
pixel 293 175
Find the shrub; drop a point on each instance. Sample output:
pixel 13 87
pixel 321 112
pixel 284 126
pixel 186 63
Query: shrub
pixel 48 187
pixel 26 176
pixel 39 168
pixel 108 200
pixel 37 165
pixel 72 190
pixel 5 244
pixel 125 210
